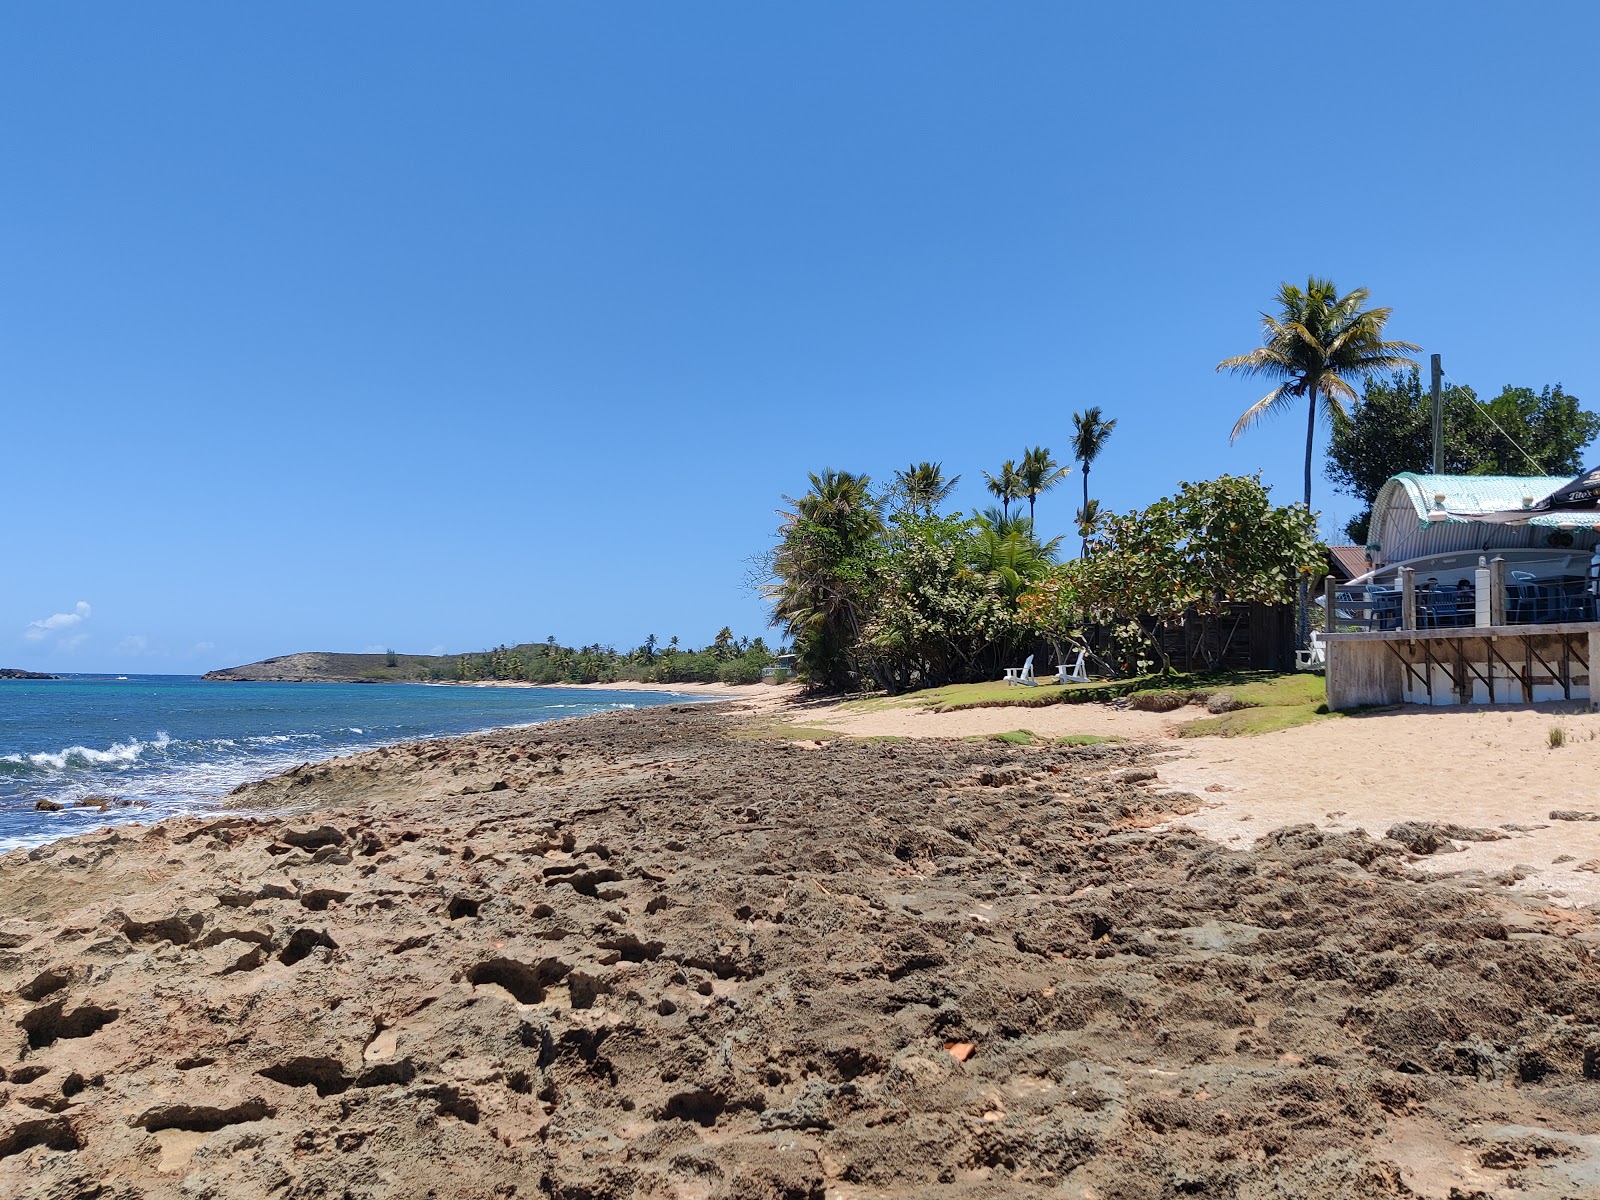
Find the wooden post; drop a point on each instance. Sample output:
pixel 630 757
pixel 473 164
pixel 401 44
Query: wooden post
pixel 1329 625
pixel 1594 661
pixel 1497 592
pixel 1408 598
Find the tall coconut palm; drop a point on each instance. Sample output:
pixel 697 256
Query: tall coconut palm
pixel 1006 487
pixel 1090 433
pixel 924 486
pixel 1039 473
pixel 1318 344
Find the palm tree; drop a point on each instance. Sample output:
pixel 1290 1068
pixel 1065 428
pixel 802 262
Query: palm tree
pixel 1090 433
pixel 1009 560
pixel 817 569
pixel 1316 345
pixel 1039 474
pixel 1087 519
pixel 924 486
pixel 1002 523
pixel 1005 487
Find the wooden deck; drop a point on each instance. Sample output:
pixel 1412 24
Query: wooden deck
pixel 1487 664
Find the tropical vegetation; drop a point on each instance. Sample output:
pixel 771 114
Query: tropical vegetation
pixel 878 590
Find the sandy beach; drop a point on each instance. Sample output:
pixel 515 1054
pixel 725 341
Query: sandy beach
pixel 661 953
pixel 1489 767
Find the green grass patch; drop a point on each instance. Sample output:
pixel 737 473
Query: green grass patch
pixel 1270 701
pixel 1017 737
pixel 1085 739
pixel 1248 722
pixel 783 729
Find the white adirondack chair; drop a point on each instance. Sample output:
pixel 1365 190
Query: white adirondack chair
pixel 1315 658
pixel 1076 673
pixel 1022 674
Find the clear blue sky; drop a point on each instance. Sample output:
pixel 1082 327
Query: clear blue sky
pixel 393 324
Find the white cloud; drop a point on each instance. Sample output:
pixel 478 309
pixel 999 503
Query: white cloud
pixel 73 642
pixel 59 623
pixel 437 650
pixel 133 644
pixel 202 647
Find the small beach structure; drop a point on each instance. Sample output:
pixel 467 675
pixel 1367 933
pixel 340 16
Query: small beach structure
pixel 1479 589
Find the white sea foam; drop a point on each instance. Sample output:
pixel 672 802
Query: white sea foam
pixel 120 755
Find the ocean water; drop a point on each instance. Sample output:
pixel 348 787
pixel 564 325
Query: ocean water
pixel 170 744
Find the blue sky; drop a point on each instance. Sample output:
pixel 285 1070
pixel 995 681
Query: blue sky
pixel 391 324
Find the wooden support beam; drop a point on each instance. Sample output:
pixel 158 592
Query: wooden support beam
pixel 1409 667
pixel 1472 668
pixel 1408 597
pixel 1497 591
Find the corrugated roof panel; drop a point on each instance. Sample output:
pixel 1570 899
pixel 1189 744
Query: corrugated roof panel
pixel 1478 493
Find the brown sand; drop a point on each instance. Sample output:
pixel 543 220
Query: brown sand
pixel 636 956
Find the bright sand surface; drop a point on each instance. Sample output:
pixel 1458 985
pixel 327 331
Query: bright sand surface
pixel 1484 767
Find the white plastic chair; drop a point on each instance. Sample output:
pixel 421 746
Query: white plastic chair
pixel 1073 674
pixel 1313 659
pixel 1022 674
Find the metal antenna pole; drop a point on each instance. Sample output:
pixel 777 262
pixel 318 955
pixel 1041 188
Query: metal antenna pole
pixel 1438 417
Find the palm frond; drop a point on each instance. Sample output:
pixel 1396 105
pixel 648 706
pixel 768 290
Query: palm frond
pixel 1278 397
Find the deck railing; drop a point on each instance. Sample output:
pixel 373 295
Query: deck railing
pixel 1519 600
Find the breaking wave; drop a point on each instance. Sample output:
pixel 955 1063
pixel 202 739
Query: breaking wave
pixel 119 754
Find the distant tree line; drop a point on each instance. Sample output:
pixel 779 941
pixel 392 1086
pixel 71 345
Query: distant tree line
pixel 726 660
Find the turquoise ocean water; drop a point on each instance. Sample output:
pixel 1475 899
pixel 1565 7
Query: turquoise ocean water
pixel 173 744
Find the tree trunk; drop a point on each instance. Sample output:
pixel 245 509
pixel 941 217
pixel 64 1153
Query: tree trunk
pixel 1084 553
pixel 1305 584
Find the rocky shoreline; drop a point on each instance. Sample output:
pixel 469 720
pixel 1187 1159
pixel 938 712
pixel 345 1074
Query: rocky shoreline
pixel 650 954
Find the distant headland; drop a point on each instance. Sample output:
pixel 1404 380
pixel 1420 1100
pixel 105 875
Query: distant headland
pixel 16 673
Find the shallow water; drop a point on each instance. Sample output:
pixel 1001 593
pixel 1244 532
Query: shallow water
pixel 159 745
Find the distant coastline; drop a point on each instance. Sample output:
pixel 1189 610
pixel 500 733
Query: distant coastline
pixel 318 667
pixel 18 673
pixel 727 661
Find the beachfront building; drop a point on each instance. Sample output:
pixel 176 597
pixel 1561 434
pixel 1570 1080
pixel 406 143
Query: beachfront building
pixel 1478 589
